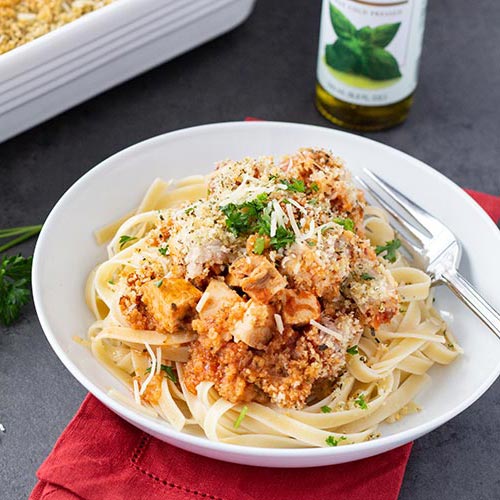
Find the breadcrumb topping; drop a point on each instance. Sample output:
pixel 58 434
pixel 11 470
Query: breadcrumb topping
pixel 21 21
pixel 272 272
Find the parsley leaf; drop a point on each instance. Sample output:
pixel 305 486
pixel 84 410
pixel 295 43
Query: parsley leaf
pixel 124 239
pixel 347 224
pixel 367 277
pixel 169 372
pixel 361 402
pixel 15 281
pixel 331 441
pixel 389 248
pixel 259 245
pixel 244 218
pixel 314 187
pixel 326 409
pixel 294 185
pixel 282 238
pixel 159 283
pixel 241 416
pixel 353 350
pixel 163 250
pixel 189 210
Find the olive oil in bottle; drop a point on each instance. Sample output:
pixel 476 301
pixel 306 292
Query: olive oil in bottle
pixel 368 58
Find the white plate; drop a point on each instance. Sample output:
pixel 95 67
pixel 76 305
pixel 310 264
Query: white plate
pixel 66 252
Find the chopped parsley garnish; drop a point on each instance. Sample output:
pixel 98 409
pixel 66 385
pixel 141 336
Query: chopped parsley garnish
pixel 360 401
pixel 389 248
pixel 259 245
pixel 367 277
pixel 241 416
pixel 163 250
pixel 189 210
pixel 244 218
pixel 294 185
pixel 282 238
pixel 111 282
pixel 124 239
pixel 353 350
pixel 332 441
pixel 311 243
pixel 326 409
pixel 159 283
pixel 15 286
pixel 169 372
pixel 249 217
pixel 347 224
pixel 314 187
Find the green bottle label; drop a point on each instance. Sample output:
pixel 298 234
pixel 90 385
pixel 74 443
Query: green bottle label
pixel 369 50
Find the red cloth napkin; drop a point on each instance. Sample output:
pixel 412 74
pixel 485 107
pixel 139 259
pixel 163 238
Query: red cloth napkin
pixel 99 456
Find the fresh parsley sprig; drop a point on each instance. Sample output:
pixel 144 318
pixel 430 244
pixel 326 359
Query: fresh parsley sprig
pixel 389 250
pixel 15 273
pixel 15 286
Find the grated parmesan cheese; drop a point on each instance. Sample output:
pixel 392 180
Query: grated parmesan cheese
pixel 297 205
pixel 151 372
pixel 201 303
pixel 279 323
pixel 274 223
pixel 158 360
pixel 327 330
pixel 137 396
pixel 293 222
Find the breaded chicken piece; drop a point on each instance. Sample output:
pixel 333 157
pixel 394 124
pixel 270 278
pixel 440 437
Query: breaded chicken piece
pixel 170 301
pixel 257 277
pixel 299 308
pixel 221 310
pixel 257 326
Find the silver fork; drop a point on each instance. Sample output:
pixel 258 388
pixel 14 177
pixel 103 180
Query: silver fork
pixel 434 247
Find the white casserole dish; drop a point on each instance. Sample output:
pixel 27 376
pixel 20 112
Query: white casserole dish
pixel 101 49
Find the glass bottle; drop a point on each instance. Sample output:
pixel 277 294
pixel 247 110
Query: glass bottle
pixel 368 58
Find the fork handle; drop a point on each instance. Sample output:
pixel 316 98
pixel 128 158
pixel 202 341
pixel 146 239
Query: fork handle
pixel 469 296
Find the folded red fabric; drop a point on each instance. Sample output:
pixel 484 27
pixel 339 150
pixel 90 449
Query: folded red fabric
pixel 100 456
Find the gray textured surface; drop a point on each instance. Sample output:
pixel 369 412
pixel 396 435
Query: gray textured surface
pixel 265 68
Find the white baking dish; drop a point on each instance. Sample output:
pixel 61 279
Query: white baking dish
pixel 101 49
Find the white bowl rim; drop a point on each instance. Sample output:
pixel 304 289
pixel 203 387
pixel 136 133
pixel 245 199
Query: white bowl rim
pixel 382 443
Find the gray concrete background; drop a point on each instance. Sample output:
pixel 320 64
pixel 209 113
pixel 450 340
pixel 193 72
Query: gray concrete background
pixel 264 68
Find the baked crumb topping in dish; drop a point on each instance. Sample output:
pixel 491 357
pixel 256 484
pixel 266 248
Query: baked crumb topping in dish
pixel 267 286
pixel 21 21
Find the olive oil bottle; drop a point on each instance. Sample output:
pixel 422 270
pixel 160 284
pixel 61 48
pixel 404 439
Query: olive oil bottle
pixel 368 59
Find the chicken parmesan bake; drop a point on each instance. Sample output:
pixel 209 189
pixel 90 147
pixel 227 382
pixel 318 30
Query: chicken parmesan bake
pixel 265 304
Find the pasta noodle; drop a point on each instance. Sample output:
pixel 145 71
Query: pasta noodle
pixel 383 374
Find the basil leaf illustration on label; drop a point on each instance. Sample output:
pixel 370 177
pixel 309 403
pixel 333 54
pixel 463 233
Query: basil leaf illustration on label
pixel 344 55
pixel 365 34
pixel 382 35
pixel 379 64
pixel 341 25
